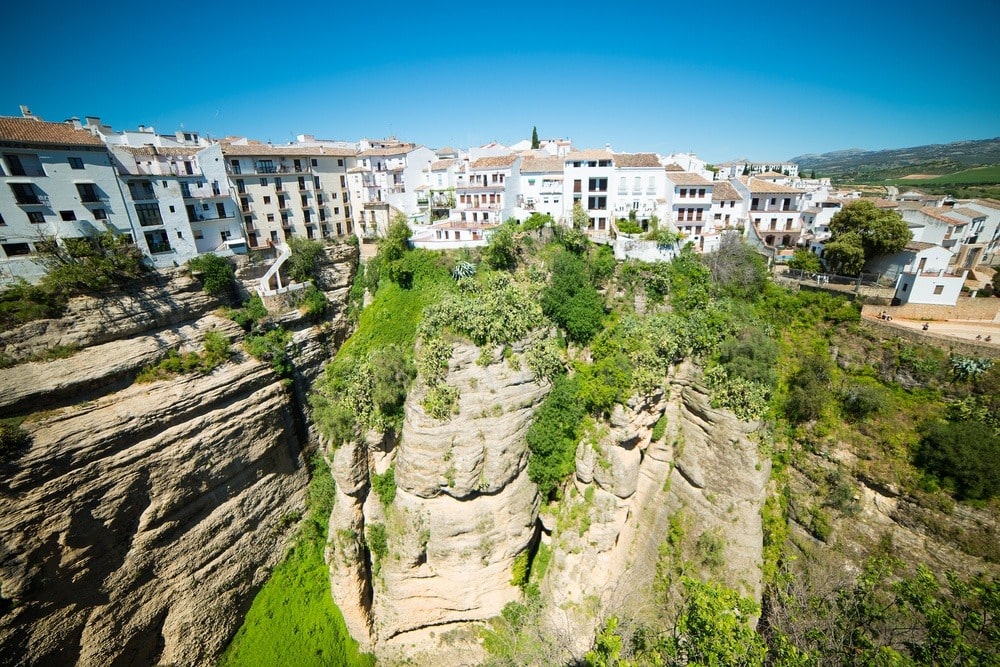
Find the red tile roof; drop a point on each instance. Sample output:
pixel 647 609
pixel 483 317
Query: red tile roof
pixel 31 131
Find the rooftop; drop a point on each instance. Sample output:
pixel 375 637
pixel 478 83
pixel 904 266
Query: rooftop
pixel 939 214
pixel 536 165
pixel 589 154
pixel 31 131
pixel 267 150
pixel 968 212
pixel 494 162
pixel 401 149
pixel 687 178
pixel 673 166
pixel 758 186
pixel 723 191
pixel 636 160
pixel 439 165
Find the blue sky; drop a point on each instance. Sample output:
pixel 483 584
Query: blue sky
pixel 763 79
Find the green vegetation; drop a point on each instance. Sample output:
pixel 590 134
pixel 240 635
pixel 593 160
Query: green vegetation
pixel 313 303
pixel 804 260
pixel 378 545
pixel 215 273
pixel 554 434
pixel 861 231
pixel 216 351
pixel 384 485
pixel 303 264
pixel 293 619
pixel 89 265
pixel 272 346
pixel 977 176
pixel 963 456
pixel 571 300
pixel 12 439
pixel 250 314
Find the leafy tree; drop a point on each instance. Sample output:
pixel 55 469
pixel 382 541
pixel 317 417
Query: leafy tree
pixel 690 281
pixel 750 355
pixel 534 138
pixel 808 389
pixel 737 269
pixel 536 221
pixel 500 253
pixel 553 435
pixel 963 455
pixel 876 231
pixel 803 260
pixel 579 217
pixel 396 241
pixel 845 255
pixel 571 300
pixel 304 261
pixel 215 273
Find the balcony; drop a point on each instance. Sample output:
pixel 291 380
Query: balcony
pixel 95 199
pixel 33 200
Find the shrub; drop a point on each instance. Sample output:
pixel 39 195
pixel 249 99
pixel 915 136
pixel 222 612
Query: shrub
pixel 544 358
pixel 861 401
pixel 378 545
pixel 314 303
pixel 500 253
pixel 12 439
pixel 272 347
pixel 303 264
pixel 626 226
pixel 659 429
pixel 750 355
pixel 537 221
pixel 571 300
pixel 215 273
pixel 251 313
pixel 964 456
pixel 553 435
pixel 384 485
pixel 441 401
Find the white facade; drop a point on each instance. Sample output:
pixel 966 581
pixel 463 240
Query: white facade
pixel 541 186
pixel 384 182
pixel 934 287
pixel 488 190
pixel 56 181
pixel 772 209
pixel 639 187
pixel 689 198
pixel 587 178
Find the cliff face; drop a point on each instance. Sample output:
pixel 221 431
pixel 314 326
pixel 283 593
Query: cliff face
pixel 142 518
pixel 464 509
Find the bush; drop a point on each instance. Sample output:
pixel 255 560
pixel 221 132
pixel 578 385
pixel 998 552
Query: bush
pixel 216 351
pixel 571 300
pixel 250 314
pixel 750 355
pixel 553 435
pixel 537 221
pixel 303 264
pixel 215 273
pixel 273 348
pixel 808 390
pixel 12 439
pixel 964 456
pixel 862 401
pixel 441 401
pixel 384 485
pixel 378 545
pixel 500 253
pixel 314 303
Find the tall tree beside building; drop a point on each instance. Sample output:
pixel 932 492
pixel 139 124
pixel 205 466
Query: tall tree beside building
pixel 534 137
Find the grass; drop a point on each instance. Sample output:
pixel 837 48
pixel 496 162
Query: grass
pixel 294 620
pixel 977 176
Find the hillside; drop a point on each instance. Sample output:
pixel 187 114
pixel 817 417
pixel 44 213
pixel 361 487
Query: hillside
pixel 859 164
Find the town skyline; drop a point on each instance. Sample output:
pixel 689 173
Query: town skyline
pixel 657 79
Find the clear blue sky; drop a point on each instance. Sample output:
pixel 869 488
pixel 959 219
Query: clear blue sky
pixel 763 79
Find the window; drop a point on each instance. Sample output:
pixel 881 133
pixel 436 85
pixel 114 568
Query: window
pixel 265 167
pixel 597 203
pixel 14 164
pixel 315 163
pixel 774 200
pixel 270 217
pixel 75 163
pixel 15 249
pixel 701 192
pixel 157 241
pixel 179 234
pixel 263 182
pixel 598 185
pixel 577 185
pixel 149 214
pixel 100 214
pixel 938 289
pixel 171 209
pixel 684 192
pixel 316 181
pixel 88 193
pixel 36 217
pixel 235 166
pixel 623 185
pixel 637 185
pixel 241 186
pixel 340 163
pixel 67 216
pixel 278 185
pixel 204 207
pixel 267 199
pixel 754 204
pixel 198 235
pixel 302 182
pixel 24 193
pixel 3 223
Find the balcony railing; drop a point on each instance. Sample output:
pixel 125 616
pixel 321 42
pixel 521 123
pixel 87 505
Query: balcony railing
pixel 33 200
pixel 269 169
pixel 95 199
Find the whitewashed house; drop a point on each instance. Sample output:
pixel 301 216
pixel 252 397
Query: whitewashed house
pixel 488 190
pixel 638 188
pixel 772 210
pixel 541 187
pixel 57 181
pixel 385 182
pixel 587 177
pixel 927 278
pixel 727 214
pixel 689 198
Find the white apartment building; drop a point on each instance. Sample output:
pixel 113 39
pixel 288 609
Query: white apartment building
pixel 440 198
pixel 291 190
pixel 735 168
pixel 541 187
pixel 638 188
pixel 728 213
pixel 489 188
pixel 182 201
pixel 384 181
pixel 58 181
pixel 587 177
pixel 689 202
pixel 773 210
pixel 688 162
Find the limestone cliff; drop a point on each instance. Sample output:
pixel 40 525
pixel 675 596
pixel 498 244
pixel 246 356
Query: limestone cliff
pixel 142 518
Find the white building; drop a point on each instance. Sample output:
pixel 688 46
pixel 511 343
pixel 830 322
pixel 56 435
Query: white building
pixel 58 181
pixel 489 189
pixel 743 167
pixel 927 278
pixel 772 209
pixel 290 190
pixel 587 176
pixel 728 213
pixel 384 182
pixel 541 187
pixel 689 198
pixel 439 197
pixel 638 188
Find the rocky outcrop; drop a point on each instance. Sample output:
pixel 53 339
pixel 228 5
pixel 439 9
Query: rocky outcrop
pixel 142 518
pixel 606 536
pixel 463 511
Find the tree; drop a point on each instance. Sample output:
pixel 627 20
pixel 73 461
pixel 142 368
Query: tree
pixel 737 269
pixel 534 138
pixel 216 273
pixel 304 260
pixel 803 260
pixel 964 455
pixel 580 218
pixel 812 174
pixel 878 231
pixel 746 169
pixel 499 254
pixel 845 254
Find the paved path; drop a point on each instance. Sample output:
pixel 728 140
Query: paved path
pixel 965 329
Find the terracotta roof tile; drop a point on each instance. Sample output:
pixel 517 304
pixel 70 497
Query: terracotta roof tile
pixel 968 212
pixel 31 131
pixel 917 246
pixel 758 186
pixel 440 165
pixel 723 191
pixel 636 160
pixel 537 165
pixel 939 214
pixel 687 178
pixel 771 174
pixel 493 162
pixel 988 203
pixel 401 149
pixel 589 154
pixel 673 166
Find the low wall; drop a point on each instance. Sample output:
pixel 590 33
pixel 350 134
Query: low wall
pixel 980 309
pixel 965 348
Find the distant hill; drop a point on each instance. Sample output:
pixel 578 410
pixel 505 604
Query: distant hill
pixel 859 164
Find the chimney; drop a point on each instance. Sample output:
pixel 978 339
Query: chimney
pixel 93 120
pixel 26 113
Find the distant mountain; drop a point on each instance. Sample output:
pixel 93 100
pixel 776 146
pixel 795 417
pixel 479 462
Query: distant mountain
pixel 936 158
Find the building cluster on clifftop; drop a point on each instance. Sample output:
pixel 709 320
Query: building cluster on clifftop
pixel 181 195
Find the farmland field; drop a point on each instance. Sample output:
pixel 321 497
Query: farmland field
pixel 977 176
